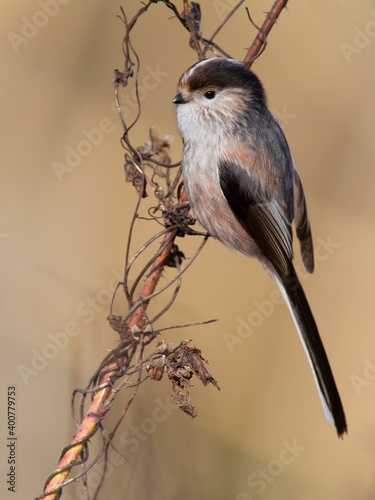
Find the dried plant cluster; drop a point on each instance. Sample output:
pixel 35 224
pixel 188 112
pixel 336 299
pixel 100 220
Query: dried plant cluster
pixel 151 172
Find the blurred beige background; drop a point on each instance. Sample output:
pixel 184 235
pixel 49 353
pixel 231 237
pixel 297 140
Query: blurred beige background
pixel 63 238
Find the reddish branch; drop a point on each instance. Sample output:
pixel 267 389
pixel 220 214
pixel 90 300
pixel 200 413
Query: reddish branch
pixel 98 407
pixel 260 39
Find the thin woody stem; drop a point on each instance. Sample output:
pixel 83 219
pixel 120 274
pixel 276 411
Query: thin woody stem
pixel 99 406
pixel 193 34
pixel 260 39
pixel 225 20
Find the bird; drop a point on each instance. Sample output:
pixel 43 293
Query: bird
pixel 244 189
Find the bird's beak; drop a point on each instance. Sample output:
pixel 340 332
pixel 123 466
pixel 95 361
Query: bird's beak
pixel 178 99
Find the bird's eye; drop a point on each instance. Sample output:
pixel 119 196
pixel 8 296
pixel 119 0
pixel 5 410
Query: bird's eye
pixel 209 94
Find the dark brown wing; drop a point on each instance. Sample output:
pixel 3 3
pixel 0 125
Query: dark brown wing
pixel 262 218
pixel 269 227
pixel 302 222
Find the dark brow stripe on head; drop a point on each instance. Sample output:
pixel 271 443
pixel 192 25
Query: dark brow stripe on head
pixel 223 74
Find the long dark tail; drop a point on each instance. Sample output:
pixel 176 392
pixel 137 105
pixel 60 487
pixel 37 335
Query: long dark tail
pixel 295 298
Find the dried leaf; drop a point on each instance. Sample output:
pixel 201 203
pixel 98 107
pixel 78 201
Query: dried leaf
pixel 183 400
pixel 181 364
pixel 155 372
pixel 175 256
pixel 135 176
pixel 157 147
pixel 198 364
pixel 180 218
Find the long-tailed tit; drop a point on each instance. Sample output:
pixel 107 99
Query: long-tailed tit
pixel 244 189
